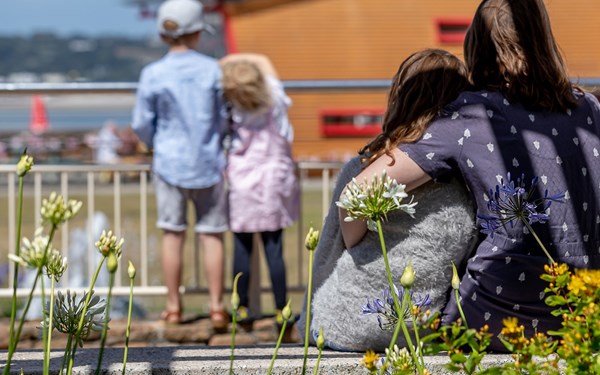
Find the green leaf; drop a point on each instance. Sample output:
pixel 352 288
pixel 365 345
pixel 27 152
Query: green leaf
pixel 458 357
pixel 452 367
pixel 555 300
pixel 435 348
pixel 431 337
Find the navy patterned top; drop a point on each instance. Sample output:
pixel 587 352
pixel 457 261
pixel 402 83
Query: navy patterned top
pixel 484 136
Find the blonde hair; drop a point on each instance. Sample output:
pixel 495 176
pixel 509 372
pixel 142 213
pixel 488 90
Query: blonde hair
pixel 245 86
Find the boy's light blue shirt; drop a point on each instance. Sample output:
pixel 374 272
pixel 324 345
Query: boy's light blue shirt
pixel 178 115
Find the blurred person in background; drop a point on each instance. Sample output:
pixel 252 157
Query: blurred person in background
pixel 263 187
pixel 178 116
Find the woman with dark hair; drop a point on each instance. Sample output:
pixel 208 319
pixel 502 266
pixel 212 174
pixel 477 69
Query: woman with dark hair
pixel 524 118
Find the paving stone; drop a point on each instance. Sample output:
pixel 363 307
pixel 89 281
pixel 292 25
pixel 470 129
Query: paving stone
pixel 224 339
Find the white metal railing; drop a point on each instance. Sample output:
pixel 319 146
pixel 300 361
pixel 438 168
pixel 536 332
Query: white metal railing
pixel 83 180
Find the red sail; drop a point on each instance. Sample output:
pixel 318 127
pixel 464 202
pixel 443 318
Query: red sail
pixel 39 118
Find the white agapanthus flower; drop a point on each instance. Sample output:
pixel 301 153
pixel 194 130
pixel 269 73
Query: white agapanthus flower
pixel 399 360
pixel 56 211
pixel 32 253
pixel 108 243
pixel 56 265
pixel 372 201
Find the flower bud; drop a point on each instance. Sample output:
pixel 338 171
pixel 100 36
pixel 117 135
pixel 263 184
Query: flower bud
pixel 455 278
pixel 312 239
pixel 108 243
pixel 56 264
pixel 24 165
pixel 235 301
pixel 112 262
pixel 131 270
pixel 235 297
pixel 320 339
pixel 286 313
pixel 408 277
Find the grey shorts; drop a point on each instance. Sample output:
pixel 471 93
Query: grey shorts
pixel 172 202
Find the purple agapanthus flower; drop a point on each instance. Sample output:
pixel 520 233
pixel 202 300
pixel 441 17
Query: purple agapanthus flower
pixel 512 200
pixel 384 308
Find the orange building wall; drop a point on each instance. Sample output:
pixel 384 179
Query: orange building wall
pixel 367 39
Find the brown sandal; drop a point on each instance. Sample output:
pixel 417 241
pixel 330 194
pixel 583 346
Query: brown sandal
pixel 171 317
pixel 219 319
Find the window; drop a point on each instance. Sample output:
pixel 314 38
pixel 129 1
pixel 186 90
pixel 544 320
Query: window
pixel 351 122
pixel 451 30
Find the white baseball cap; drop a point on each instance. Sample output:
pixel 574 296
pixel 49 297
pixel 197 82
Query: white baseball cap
pixel 180 17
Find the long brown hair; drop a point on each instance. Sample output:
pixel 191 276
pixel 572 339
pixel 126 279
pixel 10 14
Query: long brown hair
pixel 425 83
pixel 510 47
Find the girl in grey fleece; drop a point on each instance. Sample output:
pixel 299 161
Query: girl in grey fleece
pixel 441 232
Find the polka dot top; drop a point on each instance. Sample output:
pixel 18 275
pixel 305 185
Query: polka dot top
pixel 484 136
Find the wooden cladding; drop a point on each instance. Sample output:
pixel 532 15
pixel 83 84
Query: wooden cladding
pixel 367 39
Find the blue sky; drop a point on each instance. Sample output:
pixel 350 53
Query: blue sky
pixel 68 17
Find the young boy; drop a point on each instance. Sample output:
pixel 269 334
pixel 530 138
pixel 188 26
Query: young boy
pixel 177 115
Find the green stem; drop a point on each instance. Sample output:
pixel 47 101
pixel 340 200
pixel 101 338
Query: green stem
pixel 279 339
pixel 111 282
pixel 128 329
pixel 82 318
pixel 460 309
pixel 308 309
pixel 50 325
pixel 539 241
pixel 399 309
pixel 13 345
pixel 67 354
pixel 13 310
pixel 318 362
pixel 44 329
pixel 418 341
pixel 235 303
pixel 233 329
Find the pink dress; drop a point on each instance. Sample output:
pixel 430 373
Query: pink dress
pixel 263 187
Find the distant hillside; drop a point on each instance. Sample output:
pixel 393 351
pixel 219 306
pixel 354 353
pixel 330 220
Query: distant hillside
pixel 51 58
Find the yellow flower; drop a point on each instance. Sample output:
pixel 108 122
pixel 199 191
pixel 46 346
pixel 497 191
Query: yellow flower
pixel 370 360
pixel 511 327
pixel 577 285
pixel 591 278
pixel 513 332
pixel 556 269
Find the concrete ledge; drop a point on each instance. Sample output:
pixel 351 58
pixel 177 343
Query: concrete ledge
pixel 212 361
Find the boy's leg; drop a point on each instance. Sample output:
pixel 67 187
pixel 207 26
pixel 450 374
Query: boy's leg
pixel 273 244
pixel 211 222
pixel 172 250
pixel 242 248
pixel 214 266
pixel 171 211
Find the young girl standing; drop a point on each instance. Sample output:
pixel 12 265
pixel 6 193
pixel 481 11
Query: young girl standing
pixel 263 188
